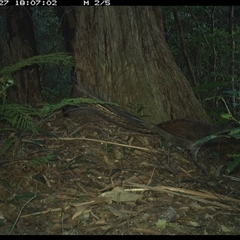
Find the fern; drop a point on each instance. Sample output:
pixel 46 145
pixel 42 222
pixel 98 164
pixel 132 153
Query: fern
pixel 55 58
pixel 47 109
pixel 21 117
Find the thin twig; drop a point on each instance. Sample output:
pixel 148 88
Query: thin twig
pixel 101 141
pixel 21 212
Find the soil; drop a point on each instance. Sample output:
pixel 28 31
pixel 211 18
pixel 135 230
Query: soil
pixel 81 175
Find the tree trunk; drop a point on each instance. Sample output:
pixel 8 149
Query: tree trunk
pixel 122 55
pixel 21 45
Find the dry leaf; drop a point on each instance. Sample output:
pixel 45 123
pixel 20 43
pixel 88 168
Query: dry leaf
pixel 119 195
pixel 80 210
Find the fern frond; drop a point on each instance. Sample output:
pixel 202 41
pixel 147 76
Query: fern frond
pixel 19 116
pixel 54 58
pixel 47 109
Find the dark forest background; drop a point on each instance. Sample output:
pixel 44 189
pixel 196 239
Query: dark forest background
pixel 203 40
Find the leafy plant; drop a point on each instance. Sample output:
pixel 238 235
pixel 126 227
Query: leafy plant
pixel 234 164
pixel 21 117
pixel 47 109
pixel 54 58
pixel 204 42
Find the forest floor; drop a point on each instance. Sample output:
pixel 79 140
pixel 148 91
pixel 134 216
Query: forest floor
pixel 83 175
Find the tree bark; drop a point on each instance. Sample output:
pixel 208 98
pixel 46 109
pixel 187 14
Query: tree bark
pixel 121 54
pixel 21 45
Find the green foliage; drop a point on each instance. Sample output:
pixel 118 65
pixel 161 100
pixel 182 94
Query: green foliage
pixel 209 47
pixel 56 93
pixel 208 86
pixel 47 109
pixel 233 165
pixel 7 145
pixel 19 116
pixel 22 117
pixel 55 79
pixel 47 30
pixel 57 89
pixel 54 58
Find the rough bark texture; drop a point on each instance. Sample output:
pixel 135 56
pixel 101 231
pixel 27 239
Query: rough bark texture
pixel 122 55
pixel 21 45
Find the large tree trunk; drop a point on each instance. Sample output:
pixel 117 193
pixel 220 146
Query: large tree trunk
pixel 122 55
pixel 21 45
